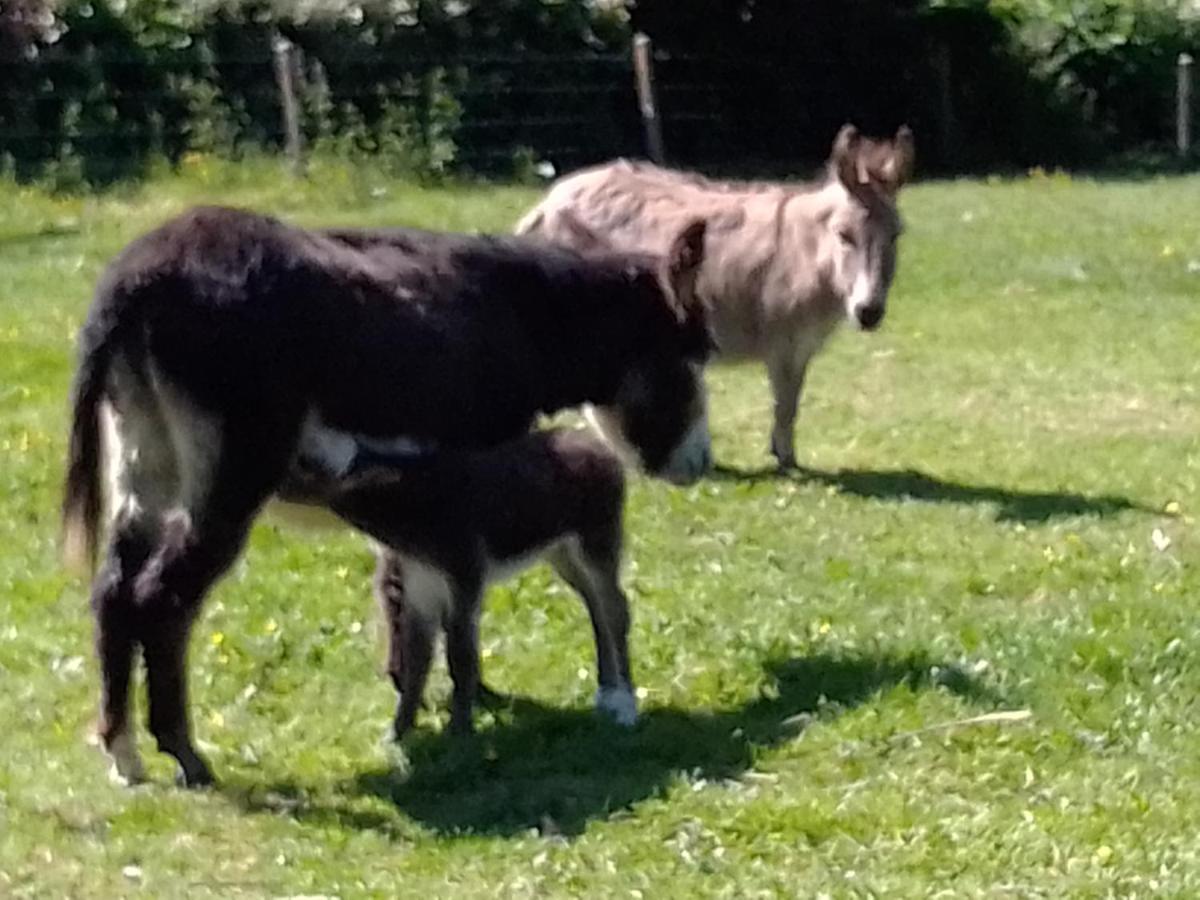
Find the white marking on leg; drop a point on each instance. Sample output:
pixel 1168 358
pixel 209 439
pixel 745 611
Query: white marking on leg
pixel 619 704
pixel 127 768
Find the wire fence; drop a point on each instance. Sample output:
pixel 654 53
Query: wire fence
pixel 112 110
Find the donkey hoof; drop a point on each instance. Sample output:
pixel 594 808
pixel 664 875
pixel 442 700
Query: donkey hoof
pixel 194 776
pixel 123 779
pixel 784 458
pixel 619 704
pixel 491 699
pixel 126 769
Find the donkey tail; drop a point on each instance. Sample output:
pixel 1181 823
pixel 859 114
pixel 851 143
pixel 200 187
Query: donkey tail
pixel 83 498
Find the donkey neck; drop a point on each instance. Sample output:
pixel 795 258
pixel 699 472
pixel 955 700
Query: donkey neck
pixel 588 337
pixel 805 229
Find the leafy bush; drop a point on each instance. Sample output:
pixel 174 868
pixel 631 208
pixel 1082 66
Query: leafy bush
pixel 100 87
pixel 95 90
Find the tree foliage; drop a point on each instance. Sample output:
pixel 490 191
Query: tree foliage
pixel 95 88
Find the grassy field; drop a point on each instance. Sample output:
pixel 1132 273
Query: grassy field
pixel 997 513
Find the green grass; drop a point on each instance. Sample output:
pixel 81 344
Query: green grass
pixel 973 532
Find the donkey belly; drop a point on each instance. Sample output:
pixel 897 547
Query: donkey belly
pixel 302 516
pixel 333 452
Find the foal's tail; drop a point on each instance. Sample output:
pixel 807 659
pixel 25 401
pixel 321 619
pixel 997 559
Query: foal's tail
pixel 83 498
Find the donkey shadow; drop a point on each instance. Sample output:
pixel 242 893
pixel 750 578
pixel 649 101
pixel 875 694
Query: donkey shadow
pixel 555 770
pixel 912 484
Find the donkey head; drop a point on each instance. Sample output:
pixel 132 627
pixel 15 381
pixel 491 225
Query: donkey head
pixel 658 415
pixel 862 228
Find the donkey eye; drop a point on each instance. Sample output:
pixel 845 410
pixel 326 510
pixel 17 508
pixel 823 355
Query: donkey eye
pixel 846 237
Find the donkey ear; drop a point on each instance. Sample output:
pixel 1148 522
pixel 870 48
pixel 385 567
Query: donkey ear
pixel 904 155
pixel 682 266
pixel 685 256
pixel 844 158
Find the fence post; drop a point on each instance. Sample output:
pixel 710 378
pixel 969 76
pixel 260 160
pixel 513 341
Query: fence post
pixel 286 69
pixel 1183 104
pixel 643 69
pixel 947 126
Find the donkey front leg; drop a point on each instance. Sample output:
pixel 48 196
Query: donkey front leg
pixel 786 373
pixel 594 573
pixel 462 655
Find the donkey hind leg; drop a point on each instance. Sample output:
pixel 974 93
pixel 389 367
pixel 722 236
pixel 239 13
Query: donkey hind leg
pixel 419 598
pixel 593 568
pixel 142 479
pixel 226 475
pixel 410 633
pixel 388 585
pixel 410 640
pixel 111 602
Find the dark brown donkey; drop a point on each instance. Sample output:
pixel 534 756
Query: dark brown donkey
pixel 223 341
pixel 453 522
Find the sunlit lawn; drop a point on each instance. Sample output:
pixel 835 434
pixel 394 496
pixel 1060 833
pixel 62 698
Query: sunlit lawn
pixel 997 514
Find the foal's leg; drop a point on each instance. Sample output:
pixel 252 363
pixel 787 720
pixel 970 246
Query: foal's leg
pixel 417 633
pixel 411 636
pixel 786 373
pixel 223 492
pixel 388 587
pixel 389 593
pixel 592 568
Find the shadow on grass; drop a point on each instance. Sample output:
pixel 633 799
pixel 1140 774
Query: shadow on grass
pixel 910 484
pixel 555 770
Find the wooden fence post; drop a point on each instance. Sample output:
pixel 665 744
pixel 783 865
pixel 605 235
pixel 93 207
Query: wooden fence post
pixel 286 71
pixel 643 69
pixel 1183 104
pixel 943 69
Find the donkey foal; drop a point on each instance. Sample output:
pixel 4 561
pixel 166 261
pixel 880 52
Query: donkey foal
pixel 452 522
